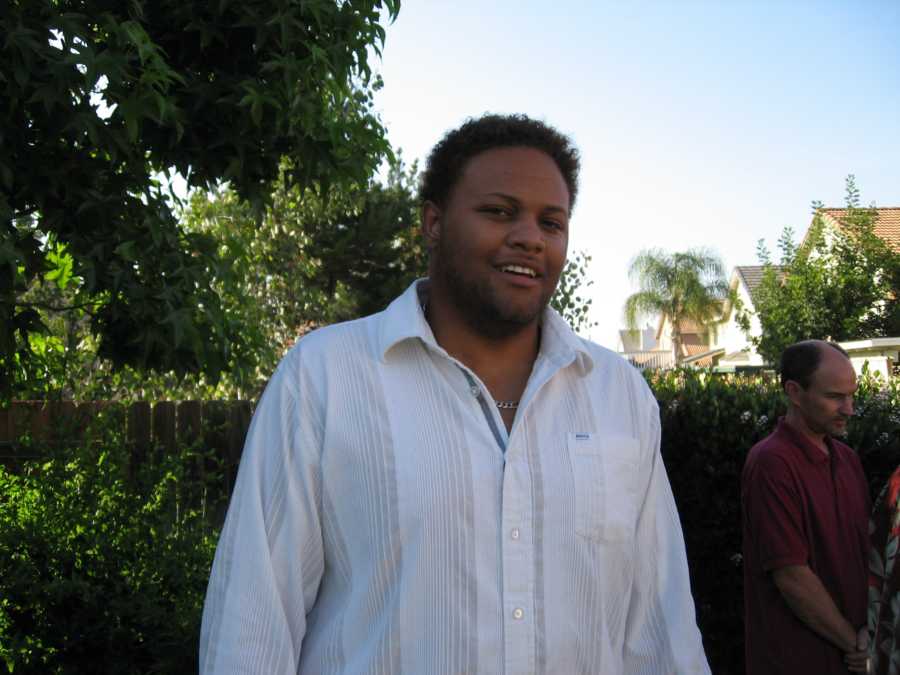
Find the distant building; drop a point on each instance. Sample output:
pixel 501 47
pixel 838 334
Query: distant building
pixel 737 351
pixel 637 340
pixel 724 345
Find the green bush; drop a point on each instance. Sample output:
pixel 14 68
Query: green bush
pixel 709 422
pixel 103 565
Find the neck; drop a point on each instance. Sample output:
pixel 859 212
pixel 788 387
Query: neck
pixel 504 363
pixel 795 419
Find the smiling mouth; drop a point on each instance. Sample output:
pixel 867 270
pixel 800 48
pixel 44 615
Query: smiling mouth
pixel 519 270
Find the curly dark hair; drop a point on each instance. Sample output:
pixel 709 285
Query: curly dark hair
pixel 449 157
pixel 800 360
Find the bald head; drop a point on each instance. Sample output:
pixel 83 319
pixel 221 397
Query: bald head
pixel 800 360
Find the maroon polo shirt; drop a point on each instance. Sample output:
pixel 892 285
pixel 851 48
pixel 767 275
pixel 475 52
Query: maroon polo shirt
pixel 801 507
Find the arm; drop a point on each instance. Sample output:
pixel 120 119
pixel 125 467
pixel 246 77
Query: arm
pixel 661 634
pixel 812 604
pixel 269 556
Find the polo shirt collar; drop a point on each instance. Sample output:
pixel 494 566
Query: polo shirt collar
pixel 813 453
pixel 404 320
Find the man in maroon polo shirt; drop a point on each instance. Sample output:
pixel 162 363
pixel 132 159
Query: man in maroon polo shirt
pixel 805 508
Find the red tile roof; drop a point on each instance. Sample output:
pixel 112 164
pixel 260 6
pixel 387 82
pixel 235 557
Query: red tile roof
pixel 886 225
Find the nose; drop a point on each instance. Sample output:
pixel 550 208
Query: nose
pixel 847 407
pixel 526 234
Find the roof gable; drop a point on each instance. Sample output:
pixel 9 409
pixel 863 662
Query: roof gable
pixel 886 225
pixel 751 276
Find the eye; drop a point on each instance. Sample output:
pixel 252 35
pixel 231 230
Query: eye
pixel 496 210
pixel 552 224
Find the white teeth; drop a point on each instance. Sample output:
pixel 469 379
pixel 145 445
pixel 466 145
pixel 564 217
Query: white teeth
pixel 519 270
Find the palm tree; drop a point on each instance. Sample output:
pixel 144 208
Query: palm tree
pixel 680 286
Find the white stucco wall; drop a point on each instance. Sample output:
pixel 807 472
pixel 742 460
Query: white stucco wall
pixel 730 337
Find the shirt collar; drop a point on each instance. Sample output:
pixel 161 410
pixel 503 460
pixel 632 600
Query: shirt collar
pixel 404 320
pixel 813 452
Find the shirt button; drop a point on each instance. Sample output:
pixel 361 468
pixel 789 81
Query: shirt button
pixel 514 534
pixel 518 613
pixel 474 390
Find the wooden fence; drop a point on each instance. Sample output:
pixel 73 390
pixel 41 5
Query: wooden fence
pixel 28 428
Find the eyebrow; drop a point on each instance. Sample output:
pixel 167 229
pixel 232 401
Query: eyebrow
pixel 549 208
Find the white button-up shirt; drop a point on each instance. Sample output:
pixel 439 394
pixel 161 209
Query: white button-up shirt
pixel 384 521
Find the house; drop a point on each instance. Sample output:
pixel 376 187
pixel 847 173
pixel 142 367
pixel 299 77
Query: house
pixel 696 348
pixel 637 340
pixel 726 334
pixel 640 348
pixel 881 353
pixel 878 355
pixel 886 224
pixel 653 348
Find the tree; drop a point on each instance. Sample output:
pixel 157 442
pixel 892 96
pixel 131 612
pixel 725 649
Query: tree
pixel 567 299
pixel 308 262
pixel 680 286
pixel 839 284
pixel 312 260
pixel 100 98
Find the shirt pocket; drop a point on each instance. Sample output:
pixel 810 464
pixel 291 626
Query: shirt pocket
pixel 604 468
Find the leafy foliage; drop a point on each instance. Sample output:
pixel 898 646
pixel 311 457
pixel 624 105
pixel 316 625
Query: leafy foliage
pixel 840 284
pixel 310 260
pixel 569 299
pixel 100 97
pixel 689 285
pixel 103 569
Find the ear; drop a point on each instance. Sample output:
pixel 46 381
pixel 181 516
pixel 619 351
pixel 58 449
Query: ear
pixel 431 224
pixel 793 390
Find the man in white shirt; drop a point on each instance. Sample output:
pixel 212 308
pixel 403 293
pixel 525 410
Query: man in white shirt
pixel 458 484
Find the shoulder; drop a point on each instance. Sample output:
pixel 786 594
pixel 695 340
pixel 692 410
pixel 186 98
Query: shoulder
pixel 328 350
pixel 334 340
pixel 610 375
pixel 612 367
pixel 769 457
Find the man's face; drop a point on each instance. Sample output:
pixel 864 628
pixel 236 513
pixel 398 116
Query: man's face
pixel 499 243
pixel 827 403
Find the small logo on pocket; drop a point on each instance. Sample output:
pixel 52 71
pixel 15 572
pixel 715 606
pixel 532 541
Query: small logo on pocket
pixel 582 436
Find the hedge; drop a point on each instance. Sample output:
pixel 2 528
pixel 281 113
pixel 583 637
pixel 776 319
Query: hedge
pixel 104 571
pixel 103 568
pixel 709 422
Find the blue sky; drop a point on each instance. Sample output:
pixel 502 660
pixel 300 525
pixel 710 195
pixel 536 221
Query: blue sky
pixel 699 123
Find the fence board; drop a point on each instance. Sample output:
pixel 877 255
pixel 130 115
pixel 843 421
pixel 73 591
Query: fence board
pixel 219 425
pixel 241 414
pixel 138 435
pixel 164 426
pixel 151 430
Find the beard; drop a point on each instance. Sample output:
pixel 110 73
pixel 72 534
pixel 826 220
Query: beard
pixel 478 302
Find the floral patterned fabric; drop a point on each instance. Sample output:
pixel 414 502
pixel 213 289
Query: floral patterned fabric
pixel 884 580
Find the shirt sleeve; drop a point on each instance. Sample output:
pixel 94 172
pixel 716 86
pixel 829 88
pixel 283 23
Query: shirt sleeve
pixel 269 558
pixel 773 509
pixel 661 634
